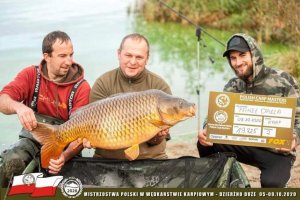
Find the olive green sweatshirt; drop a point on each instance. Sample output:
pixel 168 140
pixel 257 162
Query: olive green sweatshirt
pixel 114 82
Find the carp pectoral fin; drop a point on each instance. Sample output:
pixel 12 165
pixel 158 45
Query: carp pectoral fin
pixel 132 152
pixel 157 123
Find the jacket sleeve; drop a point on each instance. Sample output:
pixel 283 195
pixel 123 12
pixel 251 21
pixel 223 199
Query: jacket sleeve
pixel 82 96
pixel 235 85
pixel 20 88
pixel 295 92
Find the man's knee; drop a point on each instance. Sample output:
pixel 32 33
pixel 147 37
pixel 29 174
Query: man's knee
pixel 275 178
pixel 13 167
pixel 274 182
pixel 10 154
pixel 10 166
pixel 11 163
pixel 24 149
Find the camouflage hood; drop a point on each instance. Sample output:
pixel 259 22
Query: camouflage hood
pixel 257 57
pixel 266 81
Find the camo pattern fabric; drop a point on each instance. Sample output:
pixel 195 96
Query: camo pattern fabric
pixel 266 81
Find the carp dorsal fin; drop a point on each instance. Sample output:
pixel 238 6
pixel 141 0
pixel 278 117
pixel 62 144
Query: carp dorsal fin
pixel 132 152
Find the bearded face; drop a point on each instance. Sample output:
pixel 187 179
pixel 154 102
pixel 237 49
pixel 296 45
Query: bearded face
pixel 241 63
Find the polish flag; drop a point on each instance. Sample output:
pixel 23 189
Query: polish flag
pixel 46 186
pixel 24 184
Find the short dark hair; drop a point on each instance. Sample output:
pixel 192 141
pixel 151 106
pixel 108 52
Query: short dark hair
pixel 135 36
pixel 51 38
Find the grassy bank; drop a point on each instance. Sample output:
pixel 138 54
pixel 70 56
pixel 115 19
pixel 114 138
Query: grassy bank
pixel 269 21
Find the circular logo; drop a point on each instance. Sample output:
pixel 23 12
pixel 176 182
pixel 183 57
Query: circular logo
pixel 28 179
pixel 220 116
pixel 222 100
pixel 71 187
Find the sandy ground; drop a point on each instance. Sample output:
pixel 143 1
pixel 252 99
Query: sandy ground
pixel 176 149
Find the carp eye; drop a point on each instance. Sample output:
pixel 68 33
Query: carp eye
pixel 180 104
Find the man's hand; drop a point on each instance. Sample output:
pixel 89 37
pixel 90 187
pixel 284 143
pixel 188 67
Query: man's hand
pixel 159 137
pixel 86 143
pixel 284 150
pixel 163 133
pixel 203 139
pixel 73 149
pixel 26 116
pixel 56 165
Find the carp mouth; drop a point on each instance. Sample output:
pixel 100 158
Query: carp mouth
pixel 192 111
pixel 176 115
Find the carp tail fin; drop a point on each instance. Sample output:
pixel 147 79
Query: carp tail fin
pixel 47 136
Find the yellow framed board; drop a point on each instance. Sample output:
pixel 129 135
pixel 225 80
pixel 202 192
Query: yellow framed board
pixel 251 120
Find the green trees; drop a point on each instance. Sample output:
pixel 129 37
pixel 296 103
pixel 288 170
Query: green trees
pixel 268 21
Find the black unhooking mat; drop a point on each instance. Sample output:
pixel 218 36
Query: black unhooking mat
pixel 218 170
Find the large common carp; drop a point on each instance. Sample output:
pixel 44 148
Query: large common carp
pixel 121 121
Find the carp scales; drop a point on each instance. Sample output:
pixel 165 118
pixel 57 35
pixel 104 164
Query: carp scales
pixel 120 121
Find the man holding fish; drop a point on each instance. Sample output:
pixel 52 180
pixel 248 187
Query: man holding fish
pixel 132 76
pixel 46 93
pixel 130 126
pixel 129 115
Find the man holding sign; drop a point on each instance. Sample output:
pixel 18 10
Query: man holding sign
pixel 253 77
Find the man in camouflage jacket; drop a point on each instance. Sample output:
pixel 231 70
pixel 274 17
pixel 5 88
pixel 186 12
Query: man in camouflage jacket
pixel 253 77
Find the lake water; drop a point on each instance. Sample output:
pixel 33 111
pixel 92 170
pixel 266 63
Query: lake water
pixel 96 28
